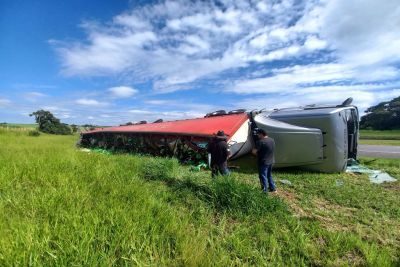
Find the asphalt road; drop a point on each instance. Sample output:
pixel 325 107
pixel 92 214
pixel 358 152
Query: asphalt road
pixel 376 151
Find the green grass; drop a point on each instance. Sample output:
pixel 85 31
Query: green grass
pixel 60 206
pixel 380 135
pixel 379 142
pixel 389 138
pixel 18 125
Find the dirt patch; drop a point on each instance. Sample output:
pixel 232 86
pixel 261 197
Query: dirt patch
pixel 293 201
pixel 320 241
pixel 392 186
pixel 352 258
pixel 327 207
pixel 320 209
pixel 326 211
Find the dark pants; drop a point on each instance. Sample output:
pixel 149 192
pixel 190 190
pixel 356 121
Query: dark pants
pixel 265 173
pixel 219 169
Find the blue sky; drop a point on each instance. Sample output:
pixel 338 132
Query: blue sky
pixel 109 62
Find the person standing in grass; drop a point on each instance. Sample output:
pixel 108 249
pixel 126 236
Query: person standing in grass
pixel 218 148
pixel 264 151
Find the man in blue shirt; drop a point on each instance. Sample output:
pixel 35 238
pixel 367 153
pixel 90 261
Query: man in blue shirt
pixel 264 150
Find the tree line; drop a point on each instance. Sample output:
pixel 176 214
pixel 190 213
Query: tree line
pixel 48 123
pixel 384 116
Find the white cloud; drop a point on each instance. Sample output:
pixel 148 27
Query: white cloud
pixel 178 42
pixel 34 96
pixel 90 102
pixel 294 49
pixel 139 115
pixel 4 102
pixel 157 102
pixel 55 109
pixel 105 116
pixel 296 78
pixel 314 43
pixel 290 78
pixel 362 99
pixel 122 91
pixel 364 32
pixel 140 111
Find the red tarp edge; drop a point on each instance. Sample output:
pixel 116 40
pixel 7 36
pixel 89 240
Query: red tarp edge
pixel 196 127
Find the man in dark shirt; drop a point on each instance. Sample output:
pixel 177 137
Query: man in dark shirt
pixel 218 148
pixel 264 150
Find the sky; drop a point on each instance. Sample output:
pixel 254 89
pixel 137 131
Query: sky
pixel 116 61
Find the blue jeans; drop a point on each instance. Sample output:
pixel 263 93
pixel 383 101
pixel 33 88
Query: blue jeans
pixel 219 169
pixel 265 173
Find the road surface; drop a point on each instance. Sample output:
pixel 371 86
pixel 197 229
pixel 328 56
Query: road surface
pixel 376 151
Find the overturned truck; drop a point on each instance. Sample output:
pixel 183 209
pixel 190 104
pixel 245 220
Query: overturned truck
pixel 317 138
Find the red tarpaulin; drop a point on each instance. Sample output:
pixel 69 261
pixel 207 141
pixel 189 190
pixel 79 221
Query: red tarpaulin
pixel 194 127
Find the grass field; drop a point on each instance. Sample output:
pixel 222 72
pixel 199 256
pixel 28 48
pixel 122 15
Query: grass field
pixel 381 135
pixel 379 142
pixel 18 125
pixel 389 138
pixel 60 206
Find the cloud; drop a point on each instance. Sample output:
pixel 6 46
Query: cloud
pixel 122 91
pixel 4 102
pixel 285 52
pixel 175 43
pixel 90 102
pixel 301 79
pixel 139 115
pixel 362 99
pixel 34 96
pixel 55 109
pixel 178 42
pixel 363 32
pixel 291 78
pixel 157 102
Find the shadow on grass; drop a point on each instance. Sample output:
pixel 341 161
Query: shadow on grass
pixel 248 165
pixel 225 193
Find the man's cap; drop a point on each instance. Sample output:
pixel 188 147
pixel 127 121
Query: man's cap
pixel 221 134
pixel 261 131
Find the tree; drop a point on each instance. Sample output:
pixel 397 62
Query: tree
pixel 74 128
pixel 50 124
pixel 384 116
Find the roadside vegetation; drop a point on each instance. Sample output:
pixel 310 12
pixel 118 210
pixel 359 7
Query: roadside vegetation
pixel 383 116
pixel 381 124
pixel 63 206
pixel 373 137
pixel 379 142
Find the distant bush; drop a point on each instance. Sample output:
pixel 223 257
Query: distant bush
pixel 50 124
pixel 34 133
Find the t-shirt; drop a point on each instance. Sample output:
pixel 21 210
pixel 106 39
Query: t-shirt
pixel 265 151
pixel 218 149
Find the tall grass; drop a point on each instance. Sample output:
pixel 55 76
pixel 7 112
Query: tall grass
pixel 61 206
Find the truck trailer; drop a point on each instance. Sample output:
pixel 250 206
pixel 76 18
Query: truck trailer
pixel 319 138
